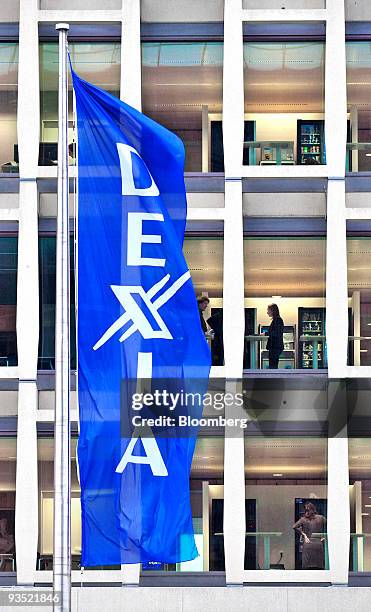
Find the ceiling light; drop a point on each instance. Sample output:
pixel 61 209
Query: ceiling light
pixel 277 475
pixel 368 154
pixel 365 514
pixel 276 297
pixel 367 505
pixel 363 351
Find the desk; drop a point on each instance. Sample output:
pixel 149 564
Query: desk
pixel 267 535
pixel 4 557
pixel 277 151
pixel 254 339
pixel 354 539
pixel 315 340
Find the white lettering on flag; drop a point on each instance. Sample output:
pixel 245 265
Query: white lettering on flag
pixel 152 457
pixel 127 179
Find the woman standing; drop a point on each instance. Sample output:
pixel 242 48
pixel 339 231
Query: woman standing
pixel 312 548
pixel 275 333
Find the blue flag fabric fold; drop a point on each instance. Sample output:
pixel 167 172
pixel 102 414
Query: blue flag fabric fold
pixel 136 305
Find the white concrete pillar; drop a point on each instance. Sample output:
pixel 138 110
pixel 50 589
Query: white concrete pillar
pixel 335 89
pixel 131 63
pixel 338 510
pixel 28 112
pixel 28 282
pixel 233 333
pixel 336 280
pixel 233 286
pixel 233 89
pixel 28 123
pixel 26 510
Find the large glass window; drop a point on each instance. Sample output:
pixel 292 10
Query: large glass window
pixel 285 316
pixel 284 103
pixel 45 462
pixel 286 503
pixel 8 106
pixel 182 90
pixel 359 105
pixel 359 300
pixel 8 455
pixel 47 280
pixel 8 300
pixel 96 62
pixel 360 504
pixel 204 256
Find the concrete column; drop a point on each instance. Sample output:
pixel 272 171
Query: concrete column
pixel 234 329
pixel 28 282
pixel 28 123
pixel 336 280
pixel 335 89
pixel 131 63
pixel 28 114
pixel 338 511
pixel 233 90
pixel 26 510
pixel 233 286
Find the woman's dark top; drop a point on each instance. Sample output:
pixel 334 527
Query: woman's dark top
pixel 275 333
pixel 202 320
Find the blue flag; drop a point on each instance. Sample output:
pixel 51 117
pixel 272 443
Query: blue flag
pixel 137 319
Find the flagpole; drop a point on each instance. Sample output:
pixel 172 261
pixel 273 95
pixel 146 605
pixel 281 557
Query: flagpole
pixel 62 449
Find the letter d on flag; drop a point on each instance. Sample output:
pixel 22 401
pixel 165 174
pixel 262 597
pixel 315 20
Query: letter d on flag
pixel 135 297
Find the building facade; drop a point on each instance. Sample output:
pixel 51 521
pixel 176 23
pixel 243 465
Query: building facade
pixel 272 100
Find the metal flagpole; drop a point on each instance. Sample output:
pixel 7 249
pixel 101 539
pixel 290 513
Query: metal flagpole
pixel 62 450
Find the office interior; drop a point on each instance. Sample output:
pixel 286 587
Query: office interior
pixel 291 272
pixel 182 89
pixel 282 473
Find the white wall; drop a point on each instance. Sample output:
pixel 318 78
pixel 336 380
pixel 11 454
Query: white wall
pixel 283 4
pixel 284 204
pixel 357 10
pixel 181 11
pixel 279 126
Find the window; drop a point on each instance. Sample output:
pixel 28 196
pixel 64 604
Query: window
pixel 98 63
pixel 284 103
pixel 182 90
pixel 8 452
pixel 8 106
pixel 360 504
pixel 8 300
pixel 359 300
pixel 286 480
pixel 359 106
pixel 289 273
pixel 45 458
pixel 204 256
pixel 47 280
